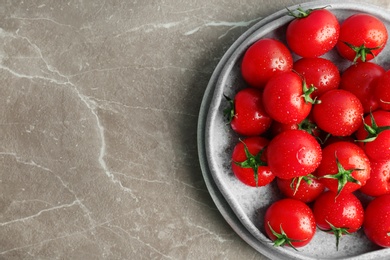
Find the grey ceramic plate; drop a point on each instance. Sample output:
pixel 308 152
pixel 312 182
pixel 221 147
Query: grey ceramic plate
pixel 243 207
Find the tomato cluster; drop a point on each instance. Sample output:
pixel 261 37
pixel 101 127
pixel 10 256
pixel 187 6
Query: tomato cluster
pixel 322 134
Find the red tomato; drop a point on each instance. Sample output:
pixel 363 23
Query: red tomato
pixel 313 33
pixel 362 37
pixel 305 189
pixel 247 113
pixel 382 91
pixel 320 72
pixel 376 132
pixel 377 221
pixel 361 80
pixel 249 162
pixel 339 113
pixel 293 153
pixel 286 98
pixel 263 59
pixel 289 222
pixel 338 214
pixel 379 182
pixel 344 167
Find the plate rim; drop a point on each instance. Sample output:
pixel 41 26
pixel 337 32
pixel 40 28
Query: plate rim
pixel 203 123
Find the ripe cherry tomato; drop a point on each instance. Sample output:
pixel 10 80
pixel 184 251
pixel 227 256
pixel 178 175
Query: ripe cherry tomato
pixel 361 80
pixel 293 153
pixel 313 32
pixel 286 98
pixel 376 133
pixel 344 167
pixel 362 37
pixel 323 74
pixel 263 59
pixel 338 214
pixel 339 113
pixel 377 221
pixel 305 188
pixel 382 91
pixel 247 114
pixel 249 163
pixel 289 222
pixel 379 182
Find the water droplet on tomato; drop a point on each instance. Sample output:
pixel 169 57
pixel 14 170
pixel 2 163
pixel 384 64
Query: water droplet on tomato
pixel 305 156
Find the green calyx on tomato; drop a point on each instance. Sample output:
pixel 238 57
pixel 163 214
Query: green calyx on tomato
pixel 308 179
pixel 312 128
pixel 252 161
pixel 282 238
pixel 343 176
pixel 308 126
pixel 361 51
pixel 338 232
pixel 229 112
pixel 307 91
pixel 303 13
pixel 373 130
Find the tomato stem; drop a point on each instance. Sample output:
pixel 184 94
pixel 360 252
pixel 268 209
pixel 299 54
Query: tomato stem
pixel 343 176
pixel 303 13
pixel 361 51
pixel 252 161
pixel 282 238
pixel 323 141
pixel 372 130
pixel 230 111
pixel 383 101
pixel 307 91
pixel 308 126
pixel 308 179
pixel 337 231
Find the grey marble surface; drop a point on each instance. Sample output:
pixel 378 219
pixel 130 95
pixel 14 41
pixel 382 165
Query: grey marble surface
pixel 98 121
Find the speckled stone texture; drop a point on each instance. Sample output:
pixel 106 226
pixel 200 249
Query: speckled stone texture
pixel 99 104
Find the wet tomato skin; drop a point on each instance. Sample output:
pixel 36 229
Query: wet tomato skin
pixel 361 80
pixel 294 217
pixel 342 211
pixel 339 113
pixel 322 73
pixel 379 182
pixel 283 98
pixel 379 148
pixel 250 118
pixel 263 59
pixel 361 29
pixel 377 221
pixel 293 153
pixel 313 35
pixel 352 158
pixel 305 192
pixel 382 91
pixel 255 145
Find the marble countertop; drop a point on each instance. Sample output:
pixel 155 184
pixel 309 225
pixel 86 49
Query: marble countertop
pixel 98 124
